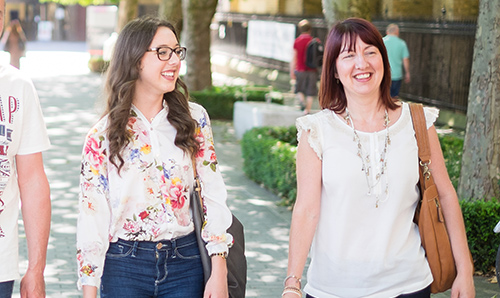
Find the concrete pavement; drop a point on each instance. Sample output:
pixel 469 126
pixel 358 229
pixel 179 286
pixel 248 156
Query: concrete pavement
pixel 71 96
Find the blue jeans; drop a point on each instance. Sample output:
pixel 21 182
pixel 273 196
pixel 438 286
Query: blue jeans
pixel 6 289
pixel 141 269
pixel 395 86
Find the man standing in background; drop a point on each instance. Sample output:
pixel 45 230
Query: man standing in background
pixel 399 58
pixel 22 178
pixel 305 78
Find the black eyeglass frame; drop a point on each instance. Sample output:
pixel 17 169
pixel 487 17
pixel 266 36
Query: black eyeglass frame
pixel 181 55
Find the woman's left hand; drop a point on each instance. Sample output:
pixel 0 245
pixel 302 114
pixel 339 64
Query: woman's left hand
pixel 216 286
pixel 463 287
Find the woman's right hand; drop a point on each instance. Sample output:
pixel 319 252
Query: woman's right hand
pixel 89 292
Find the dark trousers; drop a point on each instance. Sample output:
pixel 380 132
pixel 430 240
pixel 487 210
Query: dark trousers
pixel 425 293
pixel 6 289
pixel 395 86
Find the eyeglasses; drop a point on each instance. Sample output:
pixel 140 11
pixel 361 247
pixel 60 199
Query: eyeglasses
pixel 165 53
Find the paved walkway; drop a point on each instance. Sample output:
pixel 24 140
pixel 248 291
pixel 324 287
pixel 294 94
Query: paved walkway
pixel 70 97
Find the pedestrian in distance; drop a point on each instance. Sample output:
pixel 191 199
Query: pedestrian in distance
pixel 399 58
pixel 306 78
pixel 135 234
pixel 14 41
pixel 357 175
pixel 23 137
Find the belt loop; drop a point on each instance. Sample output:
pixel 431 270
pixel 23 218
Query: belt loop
pixel 134 249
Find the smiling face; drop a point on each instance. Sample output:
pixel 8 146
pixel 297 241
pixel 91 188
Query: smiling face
pixel 360 68
pixel 157 77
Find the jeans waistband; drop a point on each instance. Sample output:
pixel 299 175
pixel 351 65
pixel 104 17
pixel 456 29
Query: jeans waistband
pixel 162 244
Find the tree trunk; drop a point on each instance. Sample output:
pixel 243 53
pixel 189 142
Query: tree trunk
pixel 127 11
pixel 171 10
pixel 480 173
pixel 198 15
pixel 329 12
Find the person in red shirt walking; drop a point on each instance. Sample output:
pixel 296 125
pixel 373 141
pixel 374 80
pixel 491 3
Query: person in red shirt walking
pixel 305 78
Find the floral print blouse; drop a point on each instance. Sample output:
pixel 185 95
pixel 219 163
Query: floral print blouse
pixel 149 199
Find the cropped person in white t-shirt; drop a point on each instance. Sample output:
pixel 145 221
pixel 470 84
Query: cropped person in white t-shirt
pixel 23 182
pixel 357 175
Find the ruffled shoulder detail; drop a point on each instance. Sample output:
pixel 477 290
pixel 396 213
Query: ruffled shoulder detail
pixel 431 114
pixel 309 123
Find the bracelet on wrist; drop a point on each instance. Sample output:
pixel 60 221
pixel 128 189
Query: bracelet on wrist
pixel 220 254
pixel 298 279
pixel 293 290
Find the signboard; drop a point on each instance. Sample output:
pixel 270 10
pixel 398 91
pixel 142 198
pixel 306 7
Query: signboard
pixel 44 31
pixel 101 23
pixel 271 39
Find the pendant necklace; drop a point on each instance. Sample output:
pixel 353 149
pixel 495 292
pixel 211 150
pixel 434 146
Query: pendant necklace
pixel 366 162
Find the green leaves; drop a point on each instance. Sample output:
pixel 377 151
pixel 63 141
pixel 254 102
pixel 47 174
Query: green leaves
pixel 480 218
pixel 452 147
pixel 269 159
pixel 81 2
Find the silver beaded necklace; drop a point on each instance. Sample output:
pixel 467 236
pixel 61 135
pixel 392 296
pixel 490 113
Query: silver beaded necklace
pixel 366 164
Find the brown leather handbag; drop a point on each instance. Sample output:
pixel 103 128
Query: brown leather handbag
pixel 429 215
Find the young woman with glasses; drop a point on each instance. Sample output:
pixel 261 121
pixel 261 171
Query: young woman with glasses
pixel 135 233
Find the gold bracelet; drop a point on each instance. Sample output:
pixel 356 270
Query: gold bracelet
pixel 220 254
pixel 292 276
pixel 294 290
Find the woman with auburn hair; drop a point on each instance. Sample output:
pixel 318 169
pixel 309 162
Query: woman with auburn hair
pixel 357 176
pixel 135 234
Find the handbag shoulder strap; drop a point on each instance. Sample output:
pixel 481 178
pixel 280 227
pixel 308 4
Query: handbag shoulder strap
pixel 420 127
pixel 197 183
pixel 193 160
pixel 424 150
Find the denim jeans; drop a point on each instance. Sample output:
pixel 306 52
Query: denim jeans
pixel 6 289
pixel 425 293
pixel 141 269
pixel 395 86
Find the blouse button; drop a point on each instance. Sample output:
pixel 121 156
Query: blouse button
pixel 159 245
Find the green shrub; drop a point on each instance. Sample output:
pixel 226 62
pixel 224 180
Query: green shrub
pixel 452 147
pixel 219 105
pixel 219 101
pixel 97 64
pixel 480 218
pixel 271 161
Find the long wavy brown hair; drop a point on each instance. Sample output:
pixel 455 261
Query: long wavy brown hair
pixel 122 74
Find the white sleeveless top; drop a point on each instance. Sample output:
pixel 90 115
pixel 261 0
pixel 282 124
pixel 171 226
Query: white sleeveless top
pixel 360 250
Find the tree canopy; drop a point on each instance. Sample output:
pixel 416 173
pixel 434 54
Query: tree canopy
pixel 81 2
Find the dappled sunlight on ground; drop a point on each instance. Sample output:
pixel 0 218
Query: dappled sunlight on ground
pixel 266 224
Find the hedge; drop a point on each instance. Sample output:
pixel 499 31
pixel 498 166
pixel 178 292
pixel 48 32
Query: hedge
pixel 480 218
pixel 219 101
pixel 269 159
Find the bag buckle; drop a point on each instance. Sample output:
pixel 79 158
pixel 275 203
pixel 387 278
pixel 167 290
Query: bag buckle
pixel 426 172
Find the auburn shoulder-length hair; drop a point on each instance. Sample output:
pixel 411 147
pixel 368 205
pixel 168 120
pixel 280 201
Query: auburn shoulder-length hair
pixel 122 74
pixel 343 35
